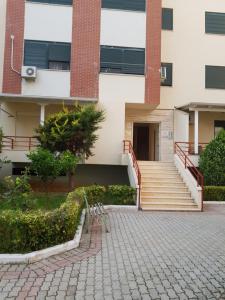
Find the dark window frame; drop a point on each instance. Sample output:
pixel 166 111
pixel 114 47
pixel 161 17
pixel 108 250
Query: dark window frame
pixel 169 81
pixel 218 124
pixel 167 25
pixel 54 2
pixel 123 55
pixel 46 59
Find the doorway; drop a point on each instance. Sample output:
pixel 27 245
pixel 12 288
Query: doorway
pixel 146 141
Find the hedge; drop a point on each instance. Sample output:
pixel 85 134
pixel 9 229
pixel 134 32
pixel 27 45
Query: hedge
pixel 214 193
pixel 112 194
pixel 22 232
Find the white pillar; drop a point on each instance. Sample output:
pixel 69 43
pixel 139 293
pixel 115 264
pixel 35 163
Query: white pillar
pixel 42 114
pixel 196 130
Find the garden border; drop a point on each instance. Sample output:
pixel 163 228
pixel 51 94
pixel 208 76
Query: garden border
pixel 45 253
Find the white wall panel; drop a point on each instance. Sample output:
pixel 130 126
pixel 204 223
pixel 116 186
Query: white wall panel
pixel 48 83
pixel 123 28
pixel 48 22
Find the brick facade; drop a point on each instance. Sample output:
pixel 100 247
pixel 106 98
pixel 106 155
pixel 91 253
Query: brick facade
pixel 14 26
pixel 85 48
pixel 153 51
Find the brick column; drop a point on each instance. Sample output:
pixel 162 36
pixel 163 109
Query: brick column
pixel 14 26
pixel 153 51
pixel 85 50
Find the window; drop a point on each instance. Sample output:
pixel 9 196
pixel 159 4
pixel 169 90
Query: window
pixel 138 5
pixel 169 74
pixel 215 22
pixel 167 18
pixel 214 77
pixel 63 2
pixel 47 55
pixel 218 126
pixel 122 60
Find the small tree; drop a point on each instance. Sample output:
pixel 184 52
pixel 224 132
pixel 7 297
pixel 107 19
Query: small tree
pixel 68 163
pixel 212 161
pixel 73 130
pixel 45 165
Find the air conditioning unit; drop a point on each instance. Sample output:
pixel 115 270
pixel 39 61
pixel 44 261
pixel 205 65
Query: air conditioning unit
pixel 163 72
pixel 29 72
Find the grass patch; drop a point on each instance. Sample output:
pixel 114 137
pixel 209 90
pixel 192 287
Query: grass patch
pixel 33 201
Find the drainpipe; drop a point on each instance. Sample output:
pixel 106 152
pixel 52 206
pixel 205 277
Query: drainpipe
pixel 12 55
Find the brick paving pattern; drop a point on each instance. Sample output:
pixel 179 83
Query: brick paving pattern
pixel 146 255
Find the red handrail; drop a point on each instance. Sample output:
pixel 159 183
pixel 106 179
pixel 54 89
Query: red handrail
pixel 128 148
pixel 188 147
pixel 189 164
pixel 20 143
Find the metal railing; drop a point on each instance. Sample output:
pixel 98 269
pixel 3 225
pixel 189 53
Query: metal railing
pixel 189 147
pixel 128 148
pixel 19 143
pixel 188 164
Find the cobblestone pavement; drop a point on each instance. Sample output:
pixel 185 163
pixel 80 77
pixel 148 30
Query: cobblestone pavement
pixel 146 255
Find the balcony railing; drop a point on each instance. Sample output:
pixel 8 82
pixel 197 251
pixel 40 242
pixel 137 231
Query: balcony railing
pixel 19 143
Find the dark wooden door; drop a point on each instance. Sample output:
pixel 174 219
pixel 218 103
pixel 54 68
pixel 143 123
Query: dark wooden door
pixel 141 141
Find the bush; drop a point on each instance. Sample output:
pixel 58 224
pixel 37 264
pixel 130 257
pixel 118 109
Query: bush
pixel 212 161
pixel 214 193
pixel 113 194
pixel 94 193
pixel 24 232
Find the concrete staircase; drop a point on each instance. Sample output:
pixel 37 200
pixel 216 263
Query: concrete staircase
pixel 163 188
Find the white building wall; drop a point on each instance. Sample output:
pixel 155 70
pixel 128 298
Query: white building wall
pixel 115 91
pixel 46 22
pixel 2 37
pixel 189 48
pixel 123 28
pixel 48 83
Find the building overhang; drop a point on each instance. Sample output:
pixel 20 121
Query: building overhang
pixel 45 99
pixel 202 106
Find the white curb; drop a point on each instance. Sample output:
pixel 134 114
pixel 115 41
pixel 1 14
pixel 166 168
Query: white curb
pixel 214 202
pixel 45 253
pixel 120 206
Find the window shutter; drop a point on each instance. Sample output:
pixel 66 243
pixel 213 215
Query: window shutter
pixel 59 52
pixel 215 23
pixel 136 5
pixel 63 2
pixel 215 77
pixel 167 18
pixel 36 54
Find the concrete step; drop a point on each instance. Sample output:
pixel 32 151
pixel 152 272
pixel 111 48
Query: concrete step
pixel 170 208
pixel 166 188
pixel 156 163
pixel 158 172
pixel 162 183
pixel 161 194
pixel 157 168
pixel 161 176
pixel 166 201
pixel 165 198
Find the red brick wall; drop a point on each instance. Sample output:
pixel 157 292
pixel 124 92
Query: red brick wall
pixel 14 26
pixel 153 51
pixel 85 48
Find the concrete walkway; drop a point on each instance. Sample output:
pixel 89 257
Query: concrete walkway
pixel 147 255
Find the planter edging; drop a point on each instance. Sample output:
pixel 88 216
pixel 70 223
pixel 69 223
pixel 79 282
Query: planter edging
pixel 45 253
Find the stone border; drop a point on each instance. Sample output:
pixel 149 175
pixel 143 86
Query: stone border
pixel 45 253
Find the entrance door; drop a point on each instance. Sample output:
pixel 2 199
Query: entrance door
pixel 141 141
pixel 146 141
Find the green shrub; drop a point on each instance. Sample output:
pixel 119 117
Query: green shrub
pixel 113 194
pixel 121 195
pixel 212 161
pixel 214 193
pixel 23 232
pixel 94 193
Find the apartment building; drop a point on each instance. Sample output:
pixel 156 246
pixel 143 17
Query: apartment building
pixel 156 67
